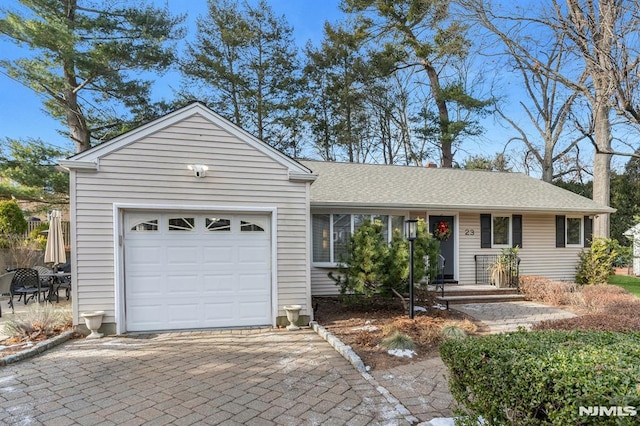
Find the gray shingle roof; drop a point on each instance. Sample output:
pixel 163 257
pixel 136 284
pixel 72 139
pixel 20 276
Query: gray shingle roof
pixel 363 185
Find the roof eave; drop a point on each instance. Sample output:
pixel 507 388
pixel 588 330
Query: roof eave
pixel 79 165
pixel 296 176
pixel 459 207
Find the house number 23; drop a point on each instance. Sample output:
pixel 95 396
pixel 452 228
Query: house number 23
pixel 469 231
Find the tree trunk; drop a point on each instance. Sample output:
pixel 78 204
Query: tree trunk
pixel 443 115
pixel 75 118
pixel 602 168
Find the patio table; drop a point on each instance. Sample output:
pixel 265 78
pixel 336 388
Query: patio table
pixel 57 278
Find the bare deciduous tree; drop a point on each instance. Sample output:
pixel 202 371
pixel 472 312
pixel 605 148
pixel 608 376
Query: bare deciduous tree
pixel 598 36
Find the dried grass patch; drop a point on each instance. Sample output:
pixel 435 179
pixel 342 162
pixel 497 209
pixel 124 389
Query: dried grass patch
pixel 549 292
pixel 600 307
pixel 606 298
pixel 425 330
pixel 597 322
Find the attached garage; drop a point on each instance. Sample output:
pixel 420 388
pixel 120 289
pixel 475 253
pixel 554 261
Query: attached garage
pixel 187 270
pixel 188 222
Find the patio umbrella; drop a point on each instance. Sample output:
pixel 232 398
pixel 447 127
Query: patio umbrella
pixel 54 251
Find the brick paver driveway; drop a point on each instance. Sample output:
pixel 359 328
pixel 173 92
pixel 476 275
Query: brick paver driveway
pixel 274 377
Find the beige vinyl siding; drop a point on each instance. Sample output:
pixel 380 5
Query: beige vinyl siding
pixel 154 171
pixel 321 284
pixel 539 254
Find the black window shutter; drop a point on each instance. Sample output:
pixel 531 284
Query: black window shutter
pixel 560 234
pixel 588 231
pixel 516 231
pixel 485 231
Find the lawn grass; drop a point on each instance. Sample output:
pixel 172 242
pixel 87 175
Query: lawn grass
pixel 631 284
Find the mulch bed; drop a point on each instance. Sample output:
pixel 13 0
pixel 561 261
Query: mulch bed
pixel 363 326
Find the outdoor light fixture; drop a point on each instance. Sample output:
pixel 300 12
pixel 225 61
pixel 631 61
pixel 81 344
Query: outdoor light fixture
pixel 411 229
pixel 411 232
pixel 199 170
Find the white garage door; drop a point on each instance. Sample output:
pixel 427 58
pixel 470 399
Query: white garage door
pixel 185 271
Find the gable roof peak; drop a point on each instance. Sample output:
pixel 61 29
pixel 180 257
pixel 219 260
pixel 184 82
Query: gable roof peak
pixel 91 156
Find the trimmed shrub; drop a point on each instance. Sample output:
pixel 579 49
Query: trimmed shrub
pixel 543 377
pixel 596 264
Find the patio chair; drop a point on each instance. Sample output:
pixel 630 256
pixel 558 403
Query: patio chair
pixel 26 283
pixel 60 282
pixel 5 286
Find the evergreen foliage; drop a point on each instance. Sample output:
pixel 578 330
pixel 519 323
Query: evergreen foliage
pixel 543 377
pixel 88 58
pixel 12 221
pixel 625 198
pixel 32 164
pixel 596 264
pixel 361 271
pixel 245 63
pixel 419 34
pixel 373 267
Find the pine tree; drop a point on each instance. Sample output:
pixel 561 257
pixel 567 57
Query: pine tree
pixel 85 56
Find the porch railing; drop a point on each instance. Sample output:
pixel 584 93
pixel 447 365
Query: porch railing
pixel 487 273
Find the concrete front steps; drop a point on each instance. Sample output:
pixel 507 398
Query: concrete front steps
pixel 462 294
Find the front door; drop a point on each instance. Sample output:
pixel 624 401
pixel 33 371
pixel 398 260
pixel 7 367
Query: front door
pixel 441 227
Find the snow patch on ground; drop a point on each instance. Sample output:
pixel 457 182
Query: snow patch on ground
pixel 439 306
pixel 419 309
pixel 440 421
pixel 366 327
pixel 402 353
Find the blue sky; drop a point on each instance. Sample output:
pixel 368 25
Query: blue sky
pixel 21 110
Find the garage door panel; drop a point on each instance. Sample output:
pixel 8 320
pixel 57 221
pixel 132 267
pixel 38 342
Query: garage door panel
pixel 182 256
pixel 145 316
pixel 252 310
pixel 198 278
pixel 217 310
pixel 216 284
pixel 253 283
pixel 146 286
pixel 179 313
pixel 218 255
pixel 147 256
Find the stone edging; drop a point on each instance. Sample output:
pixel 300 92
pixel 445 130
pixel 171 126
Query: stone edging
pixel 38 348
pixel 340 347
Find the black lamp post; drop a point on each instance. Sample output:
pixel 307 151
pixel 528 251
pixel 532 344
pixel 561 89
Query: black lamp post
pixel 411 232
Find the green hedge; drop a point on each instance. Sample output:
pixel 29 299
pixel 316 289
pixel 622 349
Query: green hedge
pixel 543 377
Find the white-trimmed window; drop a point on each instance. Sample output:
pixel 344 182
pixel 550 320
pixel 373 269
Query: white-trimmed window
pixel 574 231
pixel 501 231
pixel 331 232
